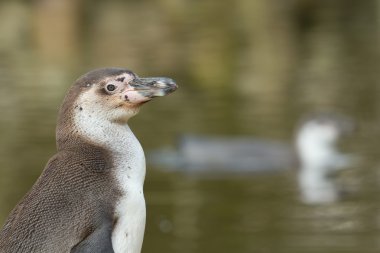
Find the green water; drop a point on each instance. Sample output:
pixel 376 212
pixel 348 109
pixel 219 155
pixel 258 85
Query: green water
pixel 244 68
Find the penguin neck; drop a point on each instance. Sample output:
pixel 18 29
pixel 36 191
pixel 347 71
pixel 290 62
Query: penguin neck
pixel 116 136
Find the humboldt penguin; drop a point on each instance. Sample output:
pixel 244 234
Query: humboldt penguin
pixel 89 197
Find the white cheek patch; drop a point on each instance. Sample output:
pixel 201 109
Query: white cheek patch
pixel 135 97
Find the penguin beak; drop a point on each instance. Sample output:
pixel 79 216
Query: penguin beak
pixel 141 90
pixel 153 86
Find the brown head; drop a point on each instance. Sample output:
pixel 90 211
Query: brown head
pixel 106 95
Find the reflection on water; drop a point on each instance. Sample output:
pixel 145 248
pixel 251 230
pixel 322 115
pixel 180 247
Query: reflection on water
pixel 244 68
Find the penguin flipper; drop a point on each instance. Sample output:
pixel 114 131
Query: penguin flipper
pixel 98 241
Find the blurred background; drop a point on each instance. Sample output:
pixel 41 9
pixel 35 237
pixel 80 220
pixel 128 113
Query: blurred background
pixel 244 68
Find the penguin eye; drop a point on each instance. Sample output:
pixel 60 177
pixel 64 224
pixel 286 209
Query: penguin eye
pixel 110 87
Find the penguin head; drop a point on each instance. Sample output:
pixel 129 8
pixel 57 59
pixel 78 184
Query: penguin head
pixel 116 94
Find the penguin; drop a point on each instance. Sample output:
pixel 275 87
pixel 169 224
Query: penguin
pixel 89 197
pixel 314 149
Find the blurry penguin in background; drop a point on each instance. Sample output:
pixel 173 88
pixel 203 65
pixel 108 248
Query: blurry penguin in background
pixel 314 152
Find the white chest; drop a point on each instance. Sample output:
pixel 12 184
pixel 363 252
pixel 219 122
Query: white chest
pixel 128 233
pixel 129 161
